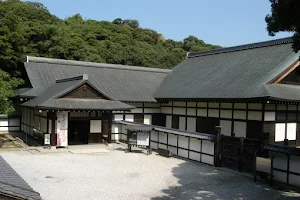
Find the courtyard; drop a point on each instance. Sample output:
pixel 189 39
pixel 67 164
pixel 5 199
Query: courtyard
pixel 120 175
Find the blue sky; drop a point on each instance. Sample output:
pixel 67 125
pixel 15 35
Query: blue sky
pixel 226 23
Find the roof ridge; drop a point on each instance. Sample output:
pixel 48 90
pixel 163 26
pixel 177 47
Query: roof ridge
pixel 241 47
pixel 94 64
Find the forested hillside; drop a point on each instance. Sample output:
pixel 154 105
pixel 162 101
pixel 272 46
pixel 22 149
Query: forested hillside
pixel 28 28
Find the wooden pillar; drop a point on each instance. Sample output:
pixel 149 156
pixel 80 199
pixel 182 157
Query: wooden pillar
pixel 53 129
pixel 218 146
pixel 110 116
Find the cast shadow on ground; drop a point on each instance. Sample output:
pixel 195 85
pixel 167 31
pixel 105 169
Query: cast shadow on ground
pixel 199 181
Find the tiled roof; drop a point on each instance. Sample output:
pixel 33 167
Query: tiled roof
pixel 240 72
pixel 123 83
pixel 11 184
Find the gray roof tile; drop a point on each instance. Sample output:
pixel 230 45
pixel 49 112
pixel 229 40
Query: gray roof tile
pixel 230 73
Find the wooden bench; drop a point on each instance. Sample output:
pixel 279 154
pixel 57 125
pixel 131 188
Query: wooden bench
pixel 164 152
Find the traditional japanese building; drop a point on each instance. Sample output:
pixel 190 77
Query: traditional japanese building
pixel 248 90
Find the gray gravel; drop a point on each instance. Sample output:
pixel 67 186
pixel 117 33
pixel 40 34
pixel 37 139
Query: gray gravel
pixel 121 175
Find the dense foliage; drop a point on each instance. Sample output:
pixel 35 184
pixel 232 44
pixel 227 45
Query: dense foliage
pixel 285 16
pixel 28 28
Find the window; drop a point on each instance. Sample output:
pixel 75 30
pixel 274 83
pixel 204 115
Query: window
pixel 282 132
pixel 207 125
pixel 175 121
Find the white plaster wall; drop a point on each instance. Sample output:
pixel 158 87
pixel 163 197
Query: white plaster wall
pixel 179 111
pixel 191 124
pixel 166 110
pixel 191 111
pixel 226 114
pixel 153 145
pixel 118 117
pixel 137 110
pixel 294 180
pixel 280 161
pixel 225 127
pixel 240 129
pixel 202 104
pixel 240 106
pixel 183 142
pixel 162 137
pixel 154 136
pixel 208 147
pixel 279 176
pixel 173 150
pixel 95 126
pixel 195 144
pixel 202 112
pixel 295 164
pixel 226 105
pixel 194 156
pixel 213 105
pixel 172 139
pixel 162 146
pixel 207 159
pixel 182 123
pixel 191 104
pixel 129 118
pixel 169 121
pixel 3 122
pixel 14 122
pixel 147 119
pixel 253 115
pixel 116 128
pixel 213 113
pixel 179 103
pixel 237 114
pixel 152 110
pixel 255 106
pixel 183 153
pixel 269 116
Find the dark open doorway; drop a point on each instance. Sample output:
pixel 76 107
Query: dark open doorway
pixel 78 132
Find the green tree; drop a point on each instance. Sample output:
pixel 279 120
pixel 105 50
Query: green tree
pixel 8 85
pixel 285 16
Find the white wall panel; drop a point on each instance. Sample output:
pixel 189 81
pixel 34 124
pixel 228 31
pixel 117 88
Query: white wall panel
pixel 179 111
pixel 191 124
pixel 294 180
pixel 226 114
pixel 279 132
pixel 129 118
pixel 195 144
pixel 255 106
pixel 202 104
pixel 162 137
pixel 173 150
pixel 162 146
pixel 183 153
pixel 118 117
pixel 213 105
pixel 208 147
pixel 207 159
pixel 166 110
pixel 237 114
pixel 240 106
pixel 172 139
pixel 294 163
pixel 213 113
pixel 191 104
pixel 44 125
pixel 191 111
pixel 95 126
pixel 194 156
pixel 240 129
pixel 183 142
pixel 291 131
pixel 116 128
pixel 4 122
pixel 179 103
pixel 269 116
pixel 169 121
pixel 182 123
pixel 153 145
pixel 202 112
pixel 226 105
pixel 279 176
pixel 225 127
pixel 147 119
pixel 137 110
pixel 154 135
pixel 152 110
pixel 252 115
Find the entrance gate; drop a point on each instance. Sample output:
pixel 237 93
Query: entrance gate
pixel 238 153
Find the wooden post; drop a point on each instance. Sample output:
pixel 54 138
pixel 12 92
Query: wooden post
pixel 241 163
pixel 109 125
pixel 218 147
pixel 53 136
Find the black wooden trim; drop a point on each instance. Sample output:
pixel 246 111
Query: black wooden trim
pixel 285 171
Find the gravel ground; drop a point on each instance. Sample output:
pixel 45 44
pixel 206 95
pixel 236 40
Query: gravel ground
pixel 121 175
